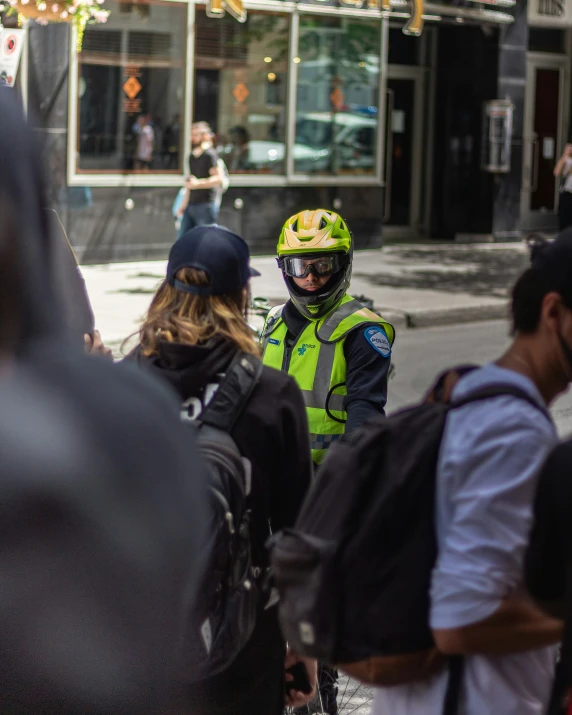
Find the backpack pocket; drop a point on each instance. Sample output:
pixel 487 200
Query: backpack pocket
pixel 304 568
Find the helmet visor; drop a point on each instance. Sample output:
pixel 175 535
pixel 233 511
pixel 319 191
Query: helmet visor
pixel 297 267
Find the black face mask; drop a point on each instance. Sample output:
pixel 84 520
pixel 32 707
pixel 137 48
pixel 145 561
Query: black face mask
pixel 331 283
pixel 567 350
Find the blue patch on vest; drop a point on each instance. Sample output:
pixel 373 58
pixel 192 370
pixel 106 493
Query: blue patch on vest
pixel 378 340
pixel 274 341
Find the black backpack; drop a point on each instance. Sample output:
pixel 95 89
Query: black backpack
pixel 220 623
pixel 354 574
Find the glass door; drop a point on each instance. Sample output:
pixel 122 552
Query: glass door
pixel 403 150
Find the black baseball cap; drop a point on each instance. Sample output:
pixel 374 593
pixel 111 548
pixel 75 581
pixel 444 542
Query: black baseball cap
pixel 221 254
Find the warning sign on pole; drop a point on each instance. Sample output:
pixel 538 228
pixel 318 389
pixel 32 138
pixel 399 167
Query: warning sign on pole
pixel 11 42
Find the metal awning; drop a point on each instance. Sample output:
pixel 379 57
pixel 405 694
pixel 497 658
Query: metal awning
pixel 438 11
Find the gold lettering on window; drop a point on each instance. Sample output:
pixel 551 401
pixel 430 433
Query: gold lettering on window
pixel 216 8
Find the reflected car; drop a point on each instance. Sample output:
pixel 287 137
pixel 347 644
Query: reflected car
pixel 326 143
pixel 349 138
pixel 264 155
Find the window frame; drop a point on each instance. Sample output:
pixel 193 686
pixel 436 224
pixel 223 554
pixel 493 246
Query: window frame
pixel 290 177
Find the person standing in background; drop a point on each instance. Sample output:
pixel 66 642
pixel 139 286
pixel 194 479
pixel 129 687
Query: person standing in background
pixel 564 168
pixel 145 143
pixel 200 207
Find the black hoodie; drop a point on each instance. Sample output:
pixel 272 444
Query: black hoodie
pixel 102 493
pixel 273 434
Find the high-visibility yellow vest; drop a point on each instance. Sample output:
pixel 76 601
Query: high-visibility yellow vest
pixel 318 364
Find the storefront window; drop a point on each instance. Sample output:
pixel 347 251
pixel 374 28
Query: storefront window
pixel 131 89
pixel 240 88
pixel 338 96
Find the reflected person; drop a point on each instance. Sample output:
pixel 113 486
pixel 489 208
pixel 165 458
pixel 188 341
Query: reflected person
pixel 200 207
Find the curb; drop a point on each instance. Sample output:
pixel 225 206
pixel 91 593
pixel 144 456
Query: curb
pixel 433 317
pixel 444 316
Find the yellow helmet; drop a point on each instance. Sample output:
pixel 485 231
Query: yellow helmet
pixel 317 231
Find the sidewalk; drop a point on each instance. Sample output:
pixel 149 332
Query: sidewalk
pixel 411 285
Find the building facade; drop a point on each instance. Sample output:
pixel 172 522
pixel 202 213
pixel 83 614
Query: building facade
pixel 315 103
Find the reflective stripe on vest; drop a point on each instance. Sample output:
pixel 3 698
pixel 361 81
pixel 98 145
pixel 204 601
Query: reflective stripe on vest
pixel 317 363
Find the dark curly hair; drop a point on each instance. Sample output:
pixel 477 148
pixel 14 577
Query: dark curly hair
pixel 550 271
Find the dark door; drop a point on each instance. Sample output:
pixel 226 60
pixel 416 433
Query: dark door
pixel 399 157
pixel 546 113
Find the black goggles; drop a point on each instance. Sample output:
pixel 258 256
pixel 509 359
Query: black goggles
pixel 297 267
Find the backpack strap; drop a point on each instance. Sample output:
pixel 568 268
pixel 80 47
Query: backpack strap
pixel 456 668
pixel 233 393
pixel 499 390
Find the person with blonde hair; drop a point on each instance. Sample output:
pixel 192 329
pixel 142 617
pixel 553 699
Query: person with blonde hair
pixel 193 331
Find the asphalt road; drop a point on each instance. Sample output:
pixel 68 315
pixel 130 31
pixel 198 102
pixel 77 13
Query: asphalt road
pixel 421 354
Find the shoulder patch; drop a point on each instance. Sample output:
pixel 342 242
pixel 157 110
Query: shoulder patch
pixel 378 340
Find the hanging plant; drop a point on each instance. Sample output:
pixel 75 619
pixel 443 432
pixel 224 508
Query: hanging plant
pixel 77 12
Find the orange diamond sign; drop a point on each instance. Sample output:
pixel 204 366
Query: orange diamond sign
pixel 240 92
pixel 132 87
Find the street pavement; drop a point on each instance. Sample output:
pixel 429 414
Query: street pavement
pixel 420 355
pixel 412 285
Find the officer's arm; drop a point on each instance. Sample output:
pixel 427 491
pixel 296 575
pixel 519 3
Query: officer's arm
pixel 367 373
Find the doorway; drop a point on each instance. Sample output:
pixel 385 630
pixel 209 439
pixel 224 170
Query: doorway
pixel 545 116
pixel 403 150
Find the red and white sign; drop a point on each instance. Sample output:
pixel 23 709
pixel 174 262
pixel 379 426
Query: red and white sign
pixel 11 42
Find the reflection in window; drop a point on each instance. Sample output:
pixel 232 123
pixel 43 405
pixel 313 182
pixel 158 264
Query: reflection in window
pixel 337 96
pixel 240 88
pixel 131 89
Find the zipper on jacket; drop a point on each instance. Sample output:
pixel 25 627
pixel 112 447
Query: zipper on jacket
pixel 286 358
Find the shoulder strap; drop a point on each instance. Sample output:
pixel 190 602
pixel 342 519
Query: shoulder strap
pixel 233 393
pixel 325 331
pixel 272 319
pixel 497 391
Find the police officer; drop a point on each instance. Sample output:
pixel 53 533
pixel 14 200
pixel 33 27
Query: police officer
pixel 338 351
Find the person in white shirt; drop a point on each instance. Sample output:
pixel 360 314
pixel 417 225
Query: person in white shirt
pixel 490 458
pixel 145 143
pixel 564 168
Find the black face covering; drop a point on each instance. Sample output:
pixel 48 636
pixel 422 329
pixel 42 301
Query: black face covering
pixel 567 350
pixel 328 286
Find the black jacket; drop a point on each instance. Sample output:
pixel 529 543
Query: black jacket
pixel 273 434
